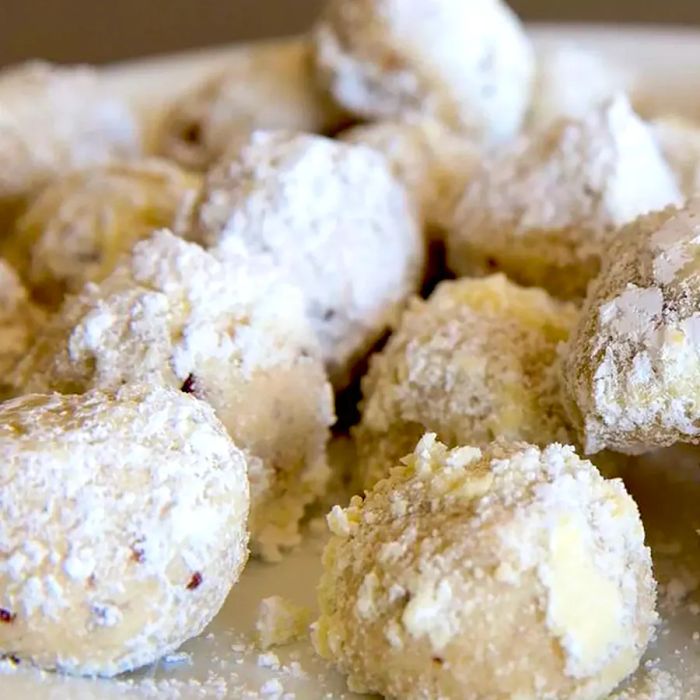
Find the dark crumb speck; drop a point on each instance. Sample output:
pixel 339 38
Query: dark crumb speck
pixel 192 133
pixel 329 315
pixel 438 660
pixel 136 553
pixel 7 616
pixel 492 263
pixel 195 581
pixel 10 657
pixel 188 385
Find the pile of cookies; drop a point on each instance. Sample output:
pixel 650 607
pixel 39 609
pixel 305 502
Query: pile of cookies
pixel 177 316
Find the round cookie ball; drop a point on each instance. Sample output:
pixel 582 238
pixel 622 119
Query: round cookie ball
pixel 466 63
pixel 433 163
pixel 271 87
pixel 123 526
pixel 434 582
pixel 679 140
pixel 76 229
pixel 55 119
pixel 544 209
pixel 19 321
pixel 332 220
pixel 476 361
pixel 171 313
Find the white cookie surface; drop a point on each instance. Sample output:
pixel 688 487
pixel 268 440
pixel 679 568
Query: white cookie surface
pixel 466 63
pixel 544 209
pixel 433 582
pixel 53 119
pixel 332 220
pixel 679 140
pixel 474 362
pixel 123 526
pixel 173 314
pixel 433 163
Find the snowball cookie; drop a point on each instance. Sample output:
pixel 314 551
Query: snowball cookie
pixel 543 210
pixel 467 63
pixel 19 320
pixel 511 572
pixel 123 523
pixel 433 163
pixel 173 314
pixel 632 371
pixel 51 120
pixel 332 219
pixel 571 80
pixel 76 229
pixel 271 87
pixel 473 363
pixel 679 140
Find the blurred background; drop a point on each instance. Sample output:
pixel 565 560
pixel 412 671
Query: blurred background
pixel 101 31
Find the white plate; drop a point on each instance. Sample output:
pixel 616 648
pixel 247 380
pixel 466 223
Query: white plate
pixel 663 69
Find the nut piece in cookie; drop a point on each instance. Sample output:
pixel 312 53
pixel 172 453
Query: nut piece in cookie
pixel 331 219
pixel 229 334
pixel 435 580
pixel 632 370
pixel 112 505
pixel 544 210
pixel 466 63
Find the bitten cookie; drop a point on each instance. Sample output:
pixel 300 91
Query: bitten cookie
pixel 434 582
pixel 330 218
pixel 474 362
pixel 544 210
pixel 466 63
pixel 171 313
pixel 77 228
pixel 123 526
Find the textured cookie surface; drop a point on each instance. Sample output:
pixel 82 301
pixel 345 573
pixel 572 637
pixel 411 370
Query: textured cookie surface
pixel 632 369
pixel 331 219
pixel 543 210
pixel 271 88
pixel 475 362
pixel 53 119
pixel 76 229
pixel 433 163
pixel 466 63
pixel 229 334
pixel 434 582
pixel 123 526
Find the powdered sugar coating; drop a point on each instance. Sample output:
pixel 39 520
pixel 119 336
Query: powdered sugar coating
pixel 572 80
pixel 331 219
pixel 433 163
pixel 431 582
pixel 123 526
pixel 679 141
pixel 544 210
pixel 19 320
pixel 466 63
pixel 473 363
pixel 272 87
pixel 53 119
pixel 78 227
pixel 632 371
pixel 171 313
